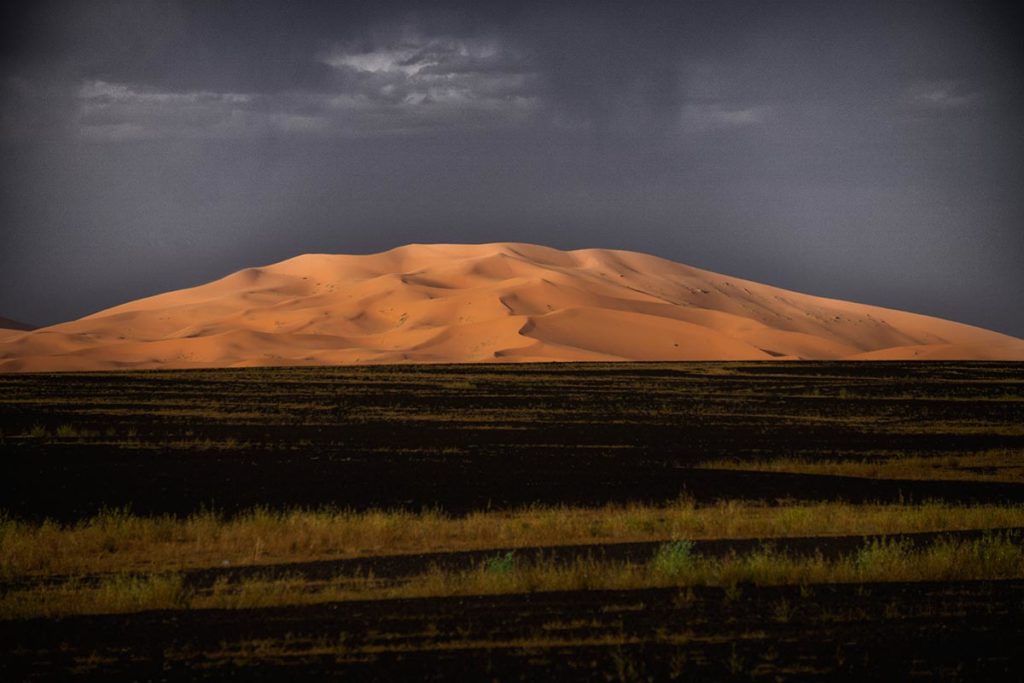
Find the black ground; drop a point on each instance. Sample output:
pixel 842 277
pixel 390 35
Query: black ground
pixel 464 438
pixel 947 631
pixel 474 437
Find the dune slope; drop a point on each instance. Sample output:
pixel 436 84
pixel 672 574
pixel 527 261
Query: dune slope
pixel 9 328
pixel 500 302
pixel 8 325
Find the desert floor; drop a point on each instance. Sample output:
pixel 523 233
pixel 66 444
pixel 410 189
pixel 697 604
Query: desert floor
pixel 646 521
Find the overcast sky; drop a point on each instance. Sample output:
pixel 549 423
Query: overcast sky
pixel 865 151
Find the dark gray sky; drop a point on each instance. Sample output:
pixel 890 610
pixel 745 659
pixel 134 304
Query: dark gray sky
pixel 865 151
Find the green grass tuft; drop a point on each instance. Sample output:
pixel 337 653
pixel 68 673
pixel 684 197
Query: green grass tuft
pixel 674 558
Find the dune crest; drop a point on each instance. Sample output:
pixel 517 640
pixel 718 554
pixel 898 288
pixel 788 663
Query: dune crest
pixel 503 302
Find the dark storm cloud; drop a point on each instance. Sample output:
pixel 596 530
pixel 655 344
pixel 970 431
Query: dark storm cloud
pixel 869 151
pixel 190 71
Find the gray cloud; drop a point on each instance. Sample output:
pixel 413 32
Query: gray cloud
pixel 940 95
pixel 701 117
pixel 406 82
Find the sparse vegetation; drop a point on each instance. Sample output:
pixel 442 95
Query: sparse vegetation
pixel 113 594
pixel 117 540
pixel 994 556
pixel 673 558
pixel 502 563
pixel 995 465
pixel 66 431
pixel 561 518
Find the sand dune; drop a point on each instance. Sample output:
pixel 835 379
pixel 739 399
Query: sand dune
pixel 10 328
pixel 7 326
pixel 486 303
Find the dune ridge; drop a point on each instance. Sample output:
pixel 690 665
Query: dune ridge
pixel 501 302
pixel 8 325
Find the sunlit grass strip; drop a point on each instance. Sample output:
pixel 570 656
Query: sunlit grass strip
pixel 994 556
pixel 115 594
pixel 117 541
pixel 1005 465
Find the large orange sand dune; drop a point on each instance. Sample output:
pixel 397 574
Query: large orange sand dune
pixel 486 303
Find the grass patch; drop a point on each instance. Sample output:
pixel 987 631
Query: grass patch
pixel 114 594
pixel 994 465
pixel 503 563
pixel 674 558
pixel 118 541
pixel 992 557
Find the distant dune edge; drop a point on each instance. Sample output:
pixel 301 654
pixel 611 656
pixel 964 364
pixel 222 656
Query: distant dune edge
pixel 8 325
pixel 505 302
